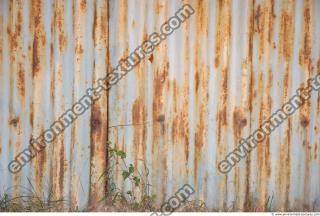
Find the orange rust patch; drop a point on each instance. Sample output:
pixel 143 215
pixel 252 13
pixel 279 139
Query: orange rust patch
pixel 197 81
pixel 31 116
pixel 79 49
pixel 305 50
pixel 83 5
pixel 239 121
pixel 14 32
pixel 40 164
pixel 202 16
pixel 59 21
pixel 201 77
pixel 271 22
pixel 35 57
pixel 58 168
pixel 1 48
pixel 287 32
pixel 39 39
pixel 257 19
pixel 96 124
pixel 21 82
pixel 139 116
pixel 151 58
pixel 139 111
pixel 304 121
pixel 62 42
pixel 158 129
pixel 61 170
pixel 14 122
pixel 200 132
pixel 161 118
pixel 95 120
pixel 222 117
pixel 222 49
pixel 223 32
pixel 94 25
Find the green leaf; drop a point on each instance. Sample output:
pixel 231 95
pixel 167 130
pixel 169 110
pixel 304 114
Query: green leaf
pixel 122 154
pixel 136 181
pixel 125 174
pixel 131 168
pixel 111 152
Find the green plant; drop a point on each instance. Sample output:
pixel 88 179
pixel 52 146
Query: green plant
pixel 138 182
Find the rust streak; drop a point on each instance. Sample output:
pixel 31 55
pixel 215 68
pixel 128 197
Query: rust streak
pixel 305 51
pixel 39 39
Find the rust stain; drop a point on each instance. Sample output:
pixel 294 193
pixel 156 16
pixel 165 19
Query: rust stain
pixel 14 122
pixel 221 63
pixel 286 34
pixel 139 117
pixel 161 118
pixel 306 43
pixel 39 39
pixel 1 42
pixel 222 44
pixel 21 81
pixel 160 80
pixel 239 122
pixel 251 82
pixel 40 164
pixel 58 168
pixel 170 121
pixel 286 38
pixel 305 60
pixel 223 33
pixel 151 58
pixel 59 22
pixel 94 26
pixel 201 77
pixel 180 127
pixel 257 19
pixel 79 50
pixel 264 26
pixel 304 121
pixel 98 150
pixel 99 112
pixel 271 22
pixel 31 115
pixel 14 34
pixel 123 20
pixel 83 5
pixel 95 120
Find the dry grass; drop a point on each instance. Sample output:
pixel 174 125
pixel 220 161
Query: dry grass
pixel 30 203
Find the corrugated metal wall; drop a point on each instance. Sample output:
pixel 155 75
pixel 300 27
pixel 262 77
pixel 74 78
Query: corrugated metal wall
pixel 181 111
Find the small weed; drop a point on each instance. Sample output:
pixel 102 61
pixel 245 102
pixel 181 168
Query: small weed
pixel 120 200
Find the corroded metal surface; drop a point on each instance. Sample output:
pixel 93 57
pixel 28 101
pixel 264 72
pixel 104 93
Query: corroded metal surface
pixel 182 110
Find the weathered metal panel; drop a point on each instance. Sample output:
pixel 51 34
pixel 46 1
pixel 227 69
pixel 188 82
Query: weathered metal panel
pixel 51 52
pixel 212 82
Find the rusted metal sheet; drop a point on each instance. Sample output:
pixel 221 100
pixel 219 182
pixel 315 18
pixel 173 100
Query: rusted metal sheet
pixel 51 52
pixel 212 82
